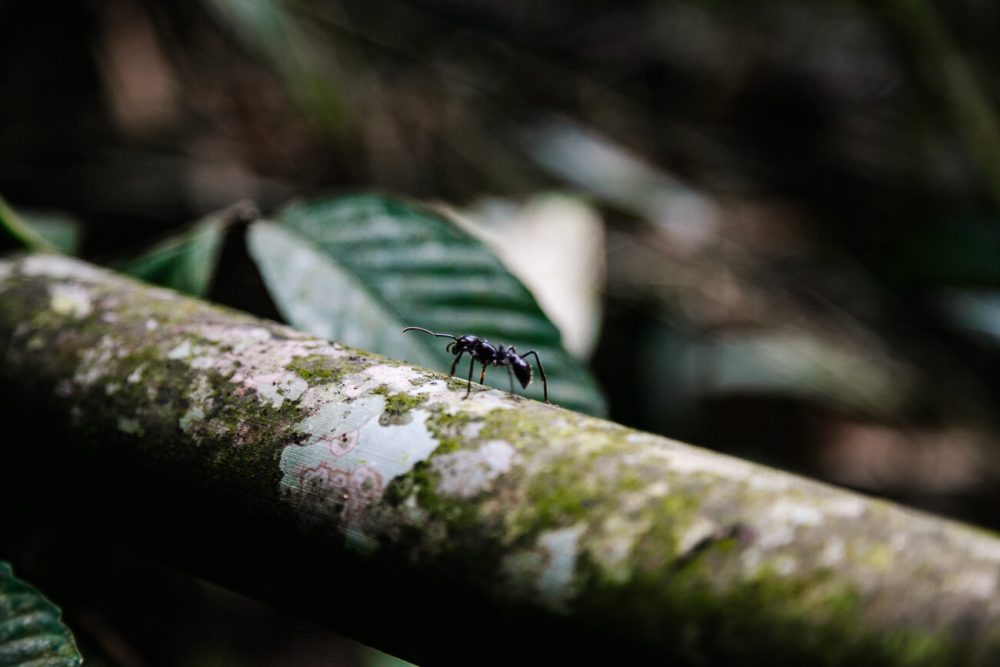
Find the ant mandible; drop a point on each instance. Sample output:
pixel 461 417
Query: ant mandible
pixel 485 353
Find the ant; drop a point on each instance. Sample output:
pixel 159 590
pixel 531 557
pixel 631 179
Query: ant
pixel 484 352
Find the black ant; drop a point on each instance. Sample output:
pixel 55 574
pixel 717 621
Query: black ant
pixel 485 353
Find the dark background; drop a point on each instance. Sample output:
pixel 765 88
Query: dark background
pixel 798 205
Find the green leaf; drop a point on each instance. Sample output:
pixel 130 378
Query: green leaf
pixel 317 294
pixel 61 232
pixel 371 657
pixel 186 261
pixel 358 269
pixel 38 234
pixel 31 631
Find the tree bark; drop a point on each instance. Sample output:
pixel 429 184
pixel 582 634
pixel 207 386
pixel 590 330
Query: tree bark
pixel 371 495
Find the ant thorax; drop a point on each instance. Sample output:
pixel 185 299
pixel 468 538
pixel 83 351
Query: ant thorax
pixel 485 353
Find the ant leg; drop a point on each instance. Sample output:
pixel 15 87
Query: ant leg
pixel 482 375
pixel 472 362
pixel 510 376
pixel 541 371
pixel 455 363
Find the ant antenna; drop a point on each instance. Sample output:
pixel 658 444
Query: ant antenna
pixel 428 331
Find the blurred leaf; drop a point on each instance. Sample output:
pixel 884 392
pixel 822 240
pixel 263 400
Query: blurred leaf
pixel 592 162
pixel 272 29
pixel 975 311
pixel 374 658
pixel 358 269
pixel 800 364
pixel 682 370
pixel 554 243
pixel 186 261
pixel 30 234
pixel 31 632
pixel 61 232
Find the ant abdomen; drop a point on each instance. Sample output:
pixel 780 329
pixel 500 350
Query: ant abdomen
pixel 522 370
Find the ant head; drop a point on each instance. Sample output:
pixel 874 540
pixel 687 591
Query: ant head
pixel 464 344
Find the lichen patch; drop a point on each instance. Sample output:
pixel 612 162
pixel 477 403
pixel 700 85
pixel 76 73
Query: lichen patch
pixel 95 362
pixel 690 461
pixel 977 583
pixel 546 573
pixel 136 375
pixel 70 300
pixel 190 418
pixel 393 378
pixel 556 578
pixel 833 553
pixel 181 351
pixel 795 513
pixel 278 387
pixel 615 543
pixel 773 536
pixel 58 266
pixel 130 426
pixel 699 530
pixel 843 505
pixel 246 356
pixel 234 339
pixel 346 462
pixel 467 473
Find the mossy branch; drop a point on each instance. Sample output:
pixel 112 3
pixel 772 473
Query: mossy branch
pixel 368 494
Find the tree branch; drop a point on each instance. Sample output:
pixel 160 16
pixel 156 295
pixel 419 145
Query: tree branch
pixel 370 495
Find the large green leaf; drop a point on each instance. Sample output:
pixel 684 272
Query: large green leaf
pixel 31 632
pixel 317 294
pixel 358 269
pixel 187 260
